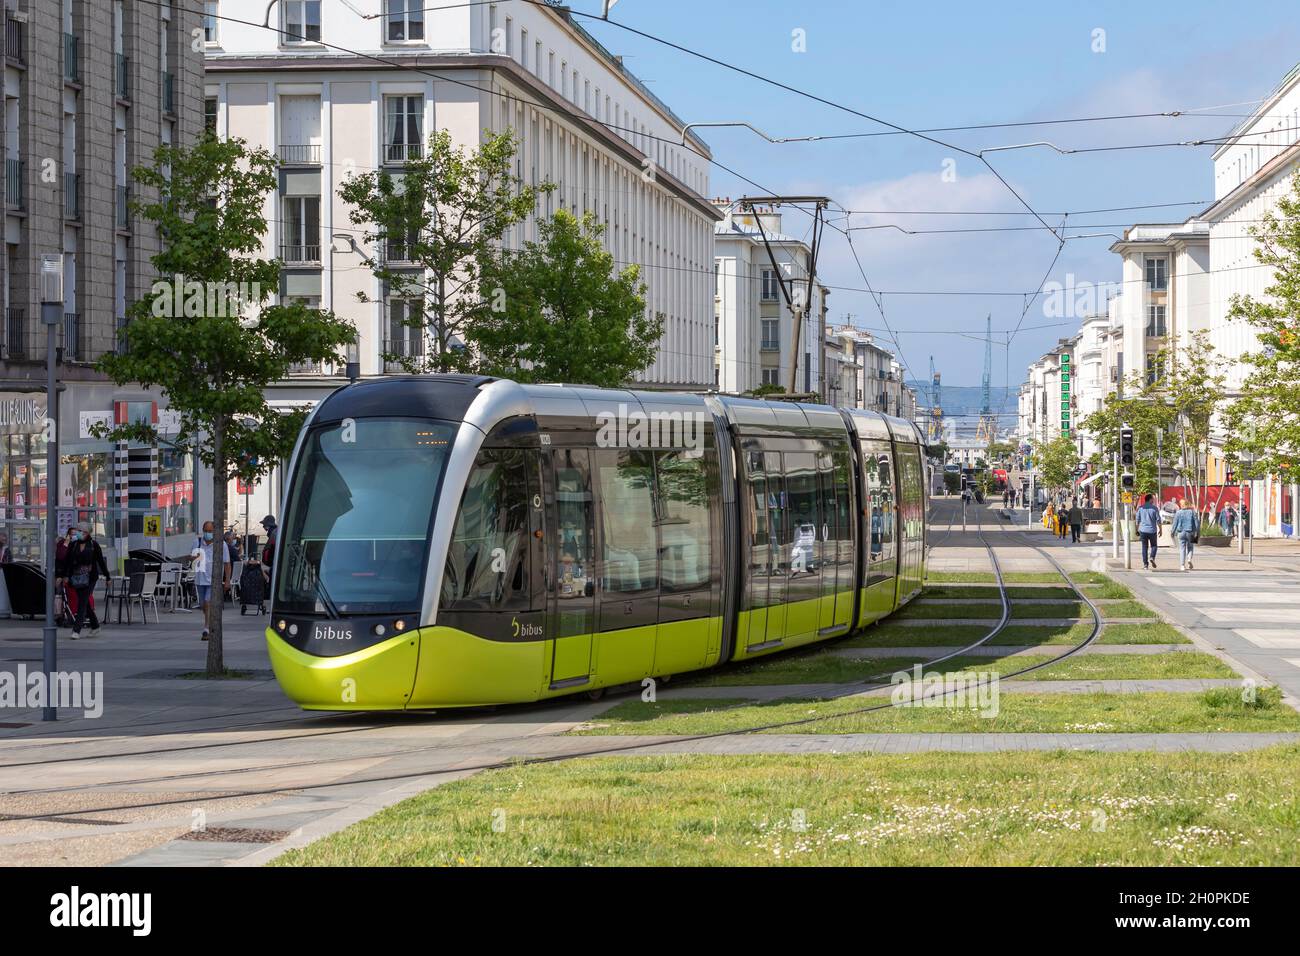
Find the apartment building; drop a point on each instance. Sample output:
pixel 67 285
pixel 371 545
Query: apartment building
pixel 755 339
pixel 334 88
pixel 91 88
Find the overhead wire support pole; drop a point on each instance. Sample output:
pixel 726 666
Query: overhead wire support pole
pixel 798 310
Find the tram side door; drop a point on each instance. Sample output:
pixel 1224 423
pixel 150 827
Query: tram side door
pixel 570 564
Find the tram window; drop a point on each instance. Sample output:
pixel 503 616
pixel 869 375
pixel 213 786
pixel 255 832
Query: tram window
pixel 803 539
pixel 844 507
pixel 573 560
pixel 487 562
pixel 762 551
pixel 628 521
pixel 778 527
pixel 881 504
pixel 685 486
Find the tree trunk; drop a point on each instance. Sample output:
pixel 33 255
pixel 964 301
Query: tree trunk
pixel 216 660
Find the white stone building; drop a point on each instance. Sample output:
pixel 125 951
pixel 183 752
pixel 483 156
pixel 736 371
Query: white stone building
pixel 754 344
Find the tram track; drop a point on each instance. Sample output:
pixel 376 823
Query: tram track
pixel 522 760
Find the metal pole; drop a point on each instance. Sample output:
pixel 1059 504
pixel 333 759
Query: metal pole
pixel 1128 542
pixel 1114 507
pixel 1242 514
pixel 50 313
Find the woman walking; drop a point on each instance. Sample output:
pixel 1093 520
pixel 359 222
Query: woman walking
pixel 82 565
pixel 1186 530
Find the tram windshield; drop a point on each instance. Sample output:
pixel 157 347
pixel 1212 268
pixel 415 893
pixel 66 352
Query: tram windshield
pixel 355 537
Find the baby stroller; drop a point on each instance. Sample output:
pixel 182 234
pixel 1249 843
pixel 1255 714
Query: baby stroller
pixel 252 588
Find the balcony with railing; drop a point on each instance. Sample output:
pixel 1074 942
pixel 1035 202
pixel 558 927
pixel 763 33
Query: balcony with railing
pixel 168 93
pixel 401 152
pixel 122 76
pixel 301 369
pixel 124 207
pixel 71 58
pixel 398 353
pixel 300 154
pixel 13 39
pixel 71 196
pixel 13 183
pixel 74 348
pixel 770 345
pixel 300 254
pixel 15 334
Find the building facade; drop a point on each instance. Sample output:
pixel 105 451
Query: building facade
pixel 92 88
pixel 755 339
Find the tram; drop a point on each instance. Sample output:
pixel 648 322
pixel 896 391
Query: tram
pixel 452 541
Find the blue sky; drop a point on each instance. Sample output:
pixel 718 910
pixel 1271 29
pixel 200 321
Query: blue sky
pixel 946 63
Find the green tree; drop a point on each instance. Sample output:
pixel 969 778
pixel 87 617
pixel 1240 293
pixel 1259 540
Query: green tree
pixel 215 356
pixel 939 451
pixel 563 312
pixel 434 224
pixel 1056 460
pixel 1263 422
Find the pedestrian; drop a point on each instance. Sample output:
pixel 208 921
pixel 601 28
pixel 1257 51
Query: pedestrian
pixel 202 557
pixel 1076 521
pixel 1228 521
pixel 1148 525
pixel 268 552
pixel 1187 531
pixel 1062 520
pixel 83 563
pixel 6 557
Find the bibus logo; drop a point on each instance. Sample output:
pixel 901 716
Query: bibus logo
pixel 329 632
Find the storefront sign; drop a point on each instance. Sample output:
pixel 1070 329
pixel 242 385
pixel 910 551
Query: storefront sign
pixel 88 421
pixel 153 526
pixel 21 414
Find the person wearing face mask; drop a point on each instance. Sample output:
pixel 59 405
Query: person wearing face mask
pixel 82 565
pixel 202 557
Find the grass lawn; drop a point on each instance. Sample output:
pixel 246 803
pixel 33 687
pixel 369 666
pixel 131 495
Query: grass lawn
pixel 990 592
pixel 1117 609
pixel 957 635
pixel 1209 711
pixel 1023 809
pixel 962 577
pixel 929 611
pixel 828 668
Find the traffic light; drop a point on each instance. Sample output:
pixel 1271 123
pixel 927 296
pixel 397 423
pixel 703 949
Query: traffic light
pixel 1126 447
pixel 1126 481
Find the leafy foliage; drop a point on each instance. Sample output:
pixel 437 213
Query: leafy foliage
pixel 560 312
pixel 437 222
pixel 214 358
pixel 1263 423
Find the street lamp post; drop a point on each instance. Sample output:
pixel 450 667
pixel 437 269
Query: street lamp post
pixel 51 314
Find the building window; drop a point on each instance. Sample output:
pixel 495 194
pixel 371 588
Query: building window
pixel 771 376
pixel 405 20
pixel 771 335
pixel 1156 327
pixel 301 21
pixel 210 21
pixel 210 114
pixel 405 342
pixel 301 238
pixel 769 285
pixel 1157 274
pixel 403 128
pixel 1155 370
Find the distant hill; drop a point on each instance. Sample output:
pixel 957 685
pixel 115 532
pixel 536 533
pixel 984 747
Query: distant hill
pixel 966 399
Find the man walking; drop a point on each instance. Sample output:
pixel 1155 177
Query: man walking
pixel 1076 521
pixel 1186 530
pixel 202 555
pixel 1148 525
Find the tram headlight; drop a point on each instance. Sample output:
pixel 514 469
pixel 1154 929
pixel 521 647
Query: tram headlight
pixel 379 630
pixel 293 629
pixel 399 625
pixel 279 625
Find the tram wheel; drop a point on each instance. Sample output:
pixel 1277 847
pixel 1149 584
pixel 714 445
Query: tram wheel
pixel 596 694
